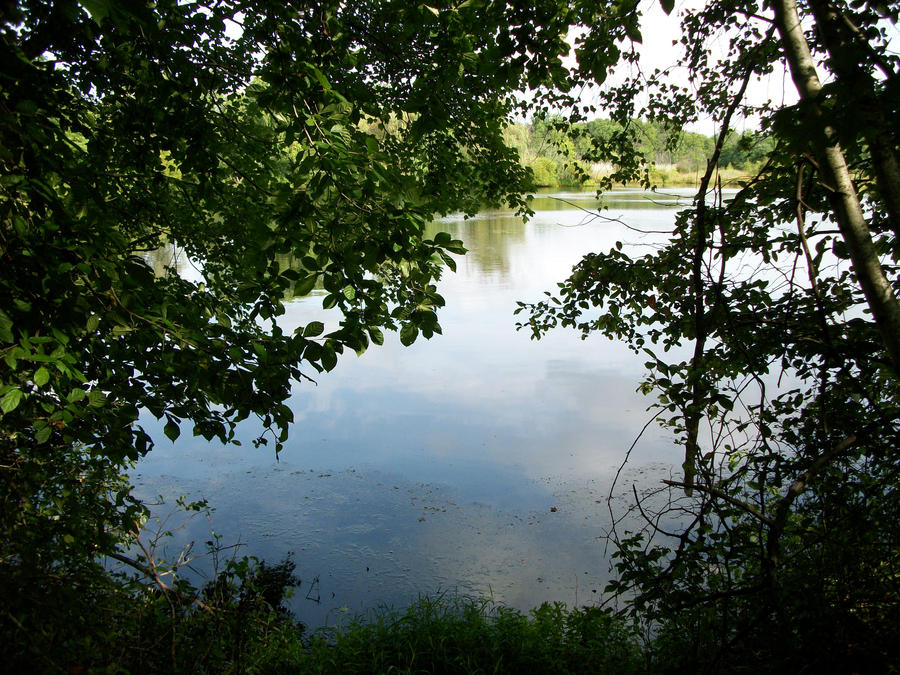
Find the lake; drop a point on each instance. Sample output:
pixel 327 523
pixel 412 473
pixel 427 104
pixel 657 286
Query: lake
pixel 477 462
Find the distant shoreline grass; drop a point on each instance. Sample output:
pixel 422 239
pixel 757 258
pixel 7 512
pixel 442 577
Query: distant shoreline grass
pixel 665 176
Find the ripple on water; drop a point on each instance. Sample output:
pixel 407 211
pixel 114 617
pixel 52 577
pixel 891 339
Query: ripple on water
pixel 361 539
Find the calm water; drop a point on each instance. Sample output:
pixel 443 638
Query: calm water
pixel 478 461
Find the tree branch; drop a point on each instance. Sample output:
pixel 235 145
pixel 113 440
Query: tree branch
pixel 844 200
pixel 715 492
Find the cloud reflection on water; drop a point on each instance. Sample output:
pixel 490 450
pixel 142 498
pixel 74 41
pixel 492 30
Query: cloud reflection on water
pixel 437 465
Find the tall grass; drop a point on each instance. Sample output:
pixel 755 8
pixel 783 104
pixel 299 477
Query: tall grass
pixel 548 172
pixel 451 634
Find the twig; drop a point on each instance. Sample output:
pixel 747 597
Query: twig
pixel 150 571
pixel 715 492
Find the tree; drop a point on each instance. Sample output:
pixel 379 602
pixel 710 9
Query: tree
pixel 245 134
pixel 779 543
pixel 327 134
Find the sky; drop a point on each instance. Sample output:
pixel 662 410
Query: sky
pixel 660 50
pixel 659 31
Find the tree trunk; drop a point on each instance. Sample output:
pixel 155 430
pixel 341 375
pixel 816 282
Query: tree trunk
pixel 836 176
pixel 848 50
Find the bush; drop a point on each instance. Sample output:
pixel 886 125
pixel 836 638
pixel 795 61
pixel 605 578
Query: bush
pixel 544 171
pixel 112 623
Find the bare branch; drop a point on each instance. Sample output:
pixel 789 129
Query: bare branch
pixel 715 492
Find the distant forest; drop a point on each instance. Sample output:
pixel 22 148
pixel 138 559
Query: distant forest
pixel 561 154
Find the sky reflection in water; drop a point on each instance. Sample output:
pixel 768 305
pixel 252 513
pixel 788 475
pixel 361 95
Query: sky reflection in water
pixel 436 466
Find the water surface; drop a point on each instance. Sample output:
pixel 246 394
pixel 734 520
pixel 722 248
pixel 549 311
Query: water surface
pixel 478 461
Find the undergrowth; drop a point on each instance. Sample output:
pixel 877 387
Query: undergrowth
pixel 238 623
pixel 451 634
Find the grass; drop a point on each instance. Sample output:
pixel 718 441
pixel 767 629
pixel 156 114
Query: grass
pixel 237 623
pixel 671 177
pixel 661 176
pixel 451 634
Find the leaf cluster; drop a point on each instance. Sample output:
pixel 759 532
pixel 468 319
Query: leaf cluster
pixel 764 358
pixel 285 150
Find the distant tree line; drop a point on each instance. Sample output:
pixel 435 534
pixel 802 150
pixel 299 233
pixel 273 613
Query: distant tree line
pixel 559 153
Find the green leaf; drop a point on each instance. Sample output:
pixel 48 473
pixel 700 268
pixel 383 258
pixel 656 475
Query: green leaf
pixel 329 358
pixel 633 31
pixel 10 400
pixel 667 5
pixel 76 395
pixel 840 249
pixel 5 327
pixel 313 329
pixel 98 9
pixel 43 434
pixel 448 261
pixel 320 77
pixel 92 323
pixel 172 430
pixel 41 376
pixel 306 285
pixel 96 398
pixel 376 336
pixel 408 334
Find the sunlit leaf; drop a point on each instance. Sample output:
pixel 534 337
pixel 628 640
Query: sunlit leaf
pixel 11 400
pixel 41 376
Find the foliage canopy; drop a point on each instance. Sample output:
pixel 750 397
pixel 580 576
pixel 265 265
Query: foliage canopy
pixel 769 320
pixel 291 146
pixel 281 147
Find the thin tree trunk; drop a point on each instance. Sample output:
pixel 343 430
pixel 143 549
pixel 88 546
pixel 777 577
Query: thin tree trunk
pixel 833 167
pixel 848 51
pixel 699 388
